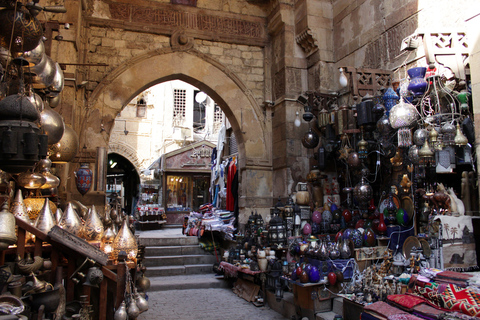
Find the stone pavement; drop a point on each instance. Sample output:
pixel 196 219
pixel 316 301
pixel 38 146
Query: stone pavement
pixel 203 304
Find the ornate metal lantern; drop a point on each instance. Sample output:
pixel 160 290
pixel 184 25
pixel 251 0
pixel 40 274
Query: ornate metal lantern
pixel 288 215
pixel 276 231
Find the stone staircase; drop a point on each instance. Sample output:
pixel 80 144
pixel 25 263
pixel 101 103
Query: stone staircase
pixel 175 261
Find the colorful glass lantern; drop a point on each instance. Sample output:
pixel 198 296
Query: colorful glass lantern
pixel 83 178
pixel 401 117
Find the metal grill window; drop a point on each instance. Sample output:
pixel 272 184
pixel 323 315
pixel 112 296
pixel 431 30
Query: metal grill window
pixel 179 103
pixel 233 144
pixel 218 114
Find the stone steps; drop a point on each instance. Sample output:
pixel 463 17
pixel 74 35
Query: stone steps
pixel 171 257
pixel 173 250
pixel 192 281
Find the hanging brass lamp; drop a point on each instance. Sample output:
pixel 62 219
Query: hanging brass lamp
pixel 44 167
pixel 31 180
pixel 460 139
pixel 7 227
pixel 66 149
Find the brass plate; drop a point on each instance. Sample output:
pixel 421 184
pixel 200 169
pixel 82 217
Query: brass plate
pixel 408 206
pixel 409 243
pixel 427 251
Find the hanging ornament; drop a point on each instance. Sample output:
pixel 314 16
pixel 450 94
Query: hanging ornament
pixel 448 134
pixel 363 191
pixel 31 180
pixel 19 30
pixel 419 136
pixel 390 99
pixel 362 148
pixel 84 178
pixel 44 167
pixel 342 79
pixel 460 139
pixel 401 117
pixel 418 84
pixel 310 140
pixel 121 312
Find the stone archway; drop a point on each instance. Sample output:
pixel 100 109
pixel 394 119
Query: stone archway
pixel 250 122
pixel 127 153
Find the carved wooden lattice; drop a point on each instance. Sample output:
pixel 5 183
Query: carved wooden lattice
pixel 447 48
pixel 371 81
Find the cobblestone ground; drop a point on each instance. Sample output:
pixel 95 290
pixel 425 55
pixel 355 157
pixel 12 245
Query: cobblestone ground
pixel 203 304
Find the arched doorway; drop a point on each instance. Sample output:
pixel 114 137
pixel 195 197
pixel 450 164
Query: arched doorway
pixel 250 122
pixel 122 179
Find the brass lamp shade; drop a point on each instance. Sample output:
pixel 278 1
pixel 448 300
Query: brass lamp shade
pixel 66 149
pixel 44 167
pixel 35 205
pixel 31 180
pixel 19 209
pixel 93 226
pixel 45 220
pixel 107 241
pixel 71 222
pixel 125 241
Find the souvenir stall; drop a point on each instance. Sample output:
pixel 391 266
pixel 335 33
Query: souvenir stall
pixel 386 216
pixel 185 180
pixel 60 259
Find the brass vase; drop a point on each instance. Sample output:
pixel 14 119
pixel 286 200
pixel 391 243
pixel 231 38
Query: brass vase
pixel 45 220
pixel 93 229
pixel 70 221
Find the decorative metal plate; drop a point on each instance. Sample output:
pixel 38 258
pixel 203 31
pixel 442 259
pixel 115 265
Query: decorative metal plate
pixel 78 244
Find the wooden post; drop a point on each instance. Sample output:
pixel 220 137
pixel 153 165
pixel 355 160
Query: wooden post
pixel 103 300
pixel 21 242
pixel 70 284
pixel 121 283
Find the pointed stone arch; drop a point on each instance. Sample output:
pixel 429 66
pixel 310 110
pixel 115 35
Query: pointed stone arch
pixel 126 152
pixel 250 122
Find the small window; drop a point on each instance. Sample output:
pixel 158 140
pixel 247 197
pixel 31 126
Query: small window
pixel 141 108
pixel 179 103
